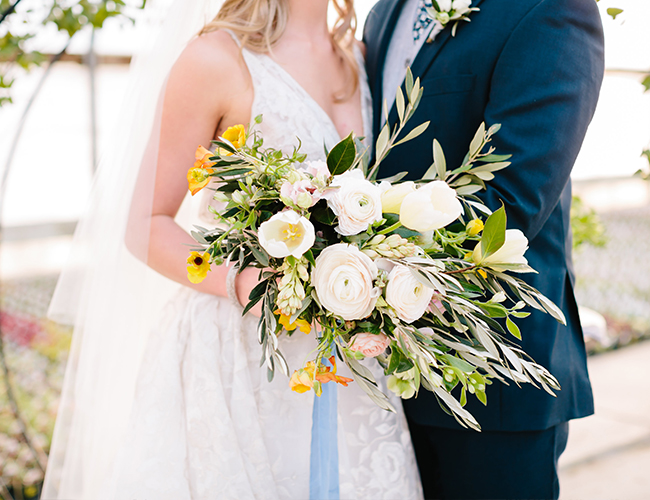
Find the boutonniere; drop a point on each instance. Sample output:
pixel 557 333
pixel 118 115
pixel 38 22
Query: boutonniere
pixel 450 11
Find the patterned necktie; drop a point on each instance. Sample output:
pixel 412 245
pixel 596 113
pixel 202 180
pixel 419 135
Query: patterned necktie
pixel 422 20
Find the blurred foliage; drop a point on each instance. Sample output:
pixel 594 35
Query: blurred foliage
pixel 587 227
pixel 30 17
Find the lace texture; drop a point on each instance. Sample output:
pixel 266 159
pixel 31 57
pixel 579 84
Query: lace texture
pixel 207 424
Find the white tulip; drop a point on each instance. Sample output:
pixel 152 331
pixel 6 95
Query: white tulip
pixel 343 278
pixel 286 233
pixel 431 207
pixel 356 201
pixel 445 5
pixel 406 294
pixel 461 6
pixel 391 199
pixel 512 251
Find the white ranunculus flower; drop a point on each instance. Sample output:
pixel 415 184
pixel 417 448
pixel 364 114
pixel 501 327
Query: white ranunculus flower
pixel 445 5
pixel 432 206
pixel 512 251
pixel 406 294
pixel 391 199
pixel 286 233
pixel 461 6
pixel 343 278
pixel 356 201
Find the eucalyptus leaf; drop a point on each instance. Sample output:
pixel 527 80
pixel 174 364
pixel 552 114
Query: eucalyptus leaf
pixel 470 189
pixel 439 160
pixel 413 133
pixel 513 328
pixel 477 141
pixel 399 104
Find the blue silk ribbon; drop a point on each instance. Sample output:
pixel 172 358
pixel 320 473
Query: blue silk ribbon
pixel 324 459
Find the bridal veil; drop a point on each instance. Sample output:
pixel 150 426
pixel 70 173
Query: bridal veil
pixel 106 290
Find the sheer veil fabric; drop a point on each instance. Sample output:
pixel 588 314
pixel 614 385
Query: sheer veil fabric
pixel 106 290
pixel 163 396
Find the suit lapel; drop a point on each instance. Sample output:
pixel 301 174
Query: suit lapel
pixel 428 54
pixel 385 33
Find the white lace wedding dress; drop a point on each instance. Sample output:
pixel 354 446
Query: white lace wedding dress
pixel 206 422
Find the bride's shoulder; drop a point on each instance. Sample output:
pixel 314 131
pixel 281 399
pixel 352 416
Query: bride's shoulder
pixel 214 55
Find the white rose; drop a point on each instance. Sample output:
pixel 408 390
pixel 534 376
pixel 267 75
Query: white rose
pixel 445 5
pixel 512 251
pixel 286 233
pixel 343 278
pixel 432 206
pixel 357 202
pixel 461 7
pixel 391 199
pixel 406 294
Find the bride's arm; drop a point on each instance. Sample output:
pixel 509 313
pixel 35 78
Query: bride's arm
pixel 208 90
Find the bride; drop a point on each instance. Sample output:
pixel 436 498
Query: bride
pixel 164 397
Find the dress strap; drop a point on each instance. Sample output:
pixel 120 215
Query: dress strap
pixel 234 37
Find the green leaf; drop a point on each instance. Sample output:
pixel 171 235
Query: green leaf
pixel 342 156
pixel 495 158
pixel 413 133
pixel 613 11
pixel 494 233
pixel 382 140
pixel 324 215
pixel 260 255
pixel 646 83
pixel 408 81
pixel 477 141
pixel 439 160
pixel 463 397
pixel 513 328
pixel 399 104
pixel 309 255
pixel 471 189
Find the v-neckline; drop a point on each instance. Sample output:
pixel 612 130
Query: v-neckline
pixel 314 102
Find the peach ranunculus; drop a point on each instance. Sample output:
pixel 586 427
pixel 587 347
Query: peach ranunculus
pixel 235 135
pixel 199 175
pixel 198 266
pixel 369 344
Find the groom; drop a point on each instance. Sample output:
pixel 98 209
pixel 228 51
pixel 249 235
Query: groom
pixel 535 67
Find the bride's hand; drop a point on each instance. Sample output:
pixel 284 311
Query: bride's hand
pixel 244 283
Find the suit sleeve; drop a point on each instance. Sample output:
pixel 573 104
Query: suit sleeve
pixel 543 92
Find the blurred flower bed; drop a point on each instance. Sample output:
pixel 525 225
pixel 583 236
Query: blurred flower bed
pixel 36 350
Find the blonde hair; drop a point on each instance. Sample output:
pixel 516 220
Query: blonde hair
pixel 259 24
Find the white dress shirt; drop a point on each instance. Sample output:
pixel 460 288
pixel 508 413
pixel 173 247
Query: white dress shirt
pixel 402 50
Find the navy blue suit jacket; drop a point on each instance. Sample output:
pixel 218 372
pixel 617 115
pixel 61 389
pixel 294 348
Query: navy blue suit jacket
pixel 535 67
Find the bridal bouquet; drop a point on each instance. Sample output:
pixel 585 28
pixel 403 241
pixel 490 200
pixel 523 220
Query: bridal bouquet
pixel 413 274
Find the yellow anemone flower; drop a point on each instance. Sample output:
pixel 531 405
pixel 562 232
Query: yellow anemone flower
pixel 302 324
pixel 474 227
pixel 198 266
pixel 236 135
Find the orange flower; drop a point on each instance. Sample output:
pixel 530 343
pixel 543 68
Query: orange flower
pixel 324 375
pixel 198 266
pixel 203 156
pixel 309 378
pixel 235 135
pixel 199 175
